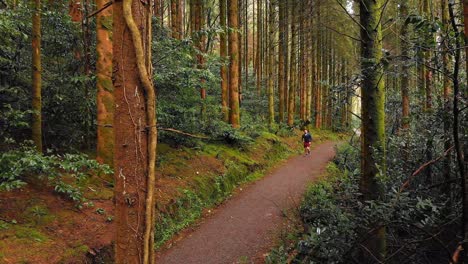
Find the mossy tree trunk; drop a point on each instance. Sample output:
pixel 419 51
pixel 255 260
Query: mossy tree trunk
pixel 373 113
pixel 233 23
pixel 105 88
pixel 36 126
pixel 135 133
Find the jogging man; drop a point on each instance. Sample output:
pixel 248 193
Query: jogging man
pixel 306 138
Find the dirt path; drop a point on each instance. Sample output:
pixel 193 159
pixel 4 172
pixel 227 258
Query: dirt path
pixel 243 227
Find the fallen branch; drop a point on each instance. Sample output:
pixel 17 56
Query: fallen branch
pixel 104 7
pixel 456 254
pixel 425 165
pixel 183 133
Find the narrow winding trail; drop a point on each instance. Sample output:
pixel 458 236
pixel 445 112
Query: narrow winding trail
pixel 243 228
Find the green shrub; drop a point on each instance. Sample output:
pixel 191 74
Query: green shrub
pixel 24 164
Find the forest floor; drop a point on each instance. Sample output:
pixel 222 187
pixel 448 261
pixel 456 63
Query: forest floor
pixel 243 229
pixel 39 226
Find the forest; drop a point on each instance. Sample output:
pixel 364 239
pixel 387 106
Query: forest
pixel 169 131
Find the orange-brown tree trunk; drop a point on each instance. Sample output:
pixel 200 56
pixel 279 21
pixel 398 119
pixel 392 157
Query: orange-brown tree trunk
pixel 135 133
pixel 75 10
pixel 223 54
pixel 105 88
pixel 233 23
pixel 36 126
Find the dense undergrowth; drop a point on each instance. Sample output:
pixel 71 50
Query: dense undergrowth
pixel 420 210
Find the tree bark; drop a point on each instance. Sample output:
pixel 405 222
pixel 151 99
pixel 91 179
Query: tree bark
pixel 135 133
pixel 271 54
pixel 223 54
pixel 373 113
pixel 405 118
pixel 105 89
pixel 292 67
pixel 446 93
pixel 233 38
pixel 281 56
pixel 36 126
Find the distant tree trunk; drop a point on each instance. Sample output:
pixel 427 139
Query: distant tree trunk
pixel 199 38
pixel 302 64
pixel 427 70
pixel 224 67
pixel 286 58
pixel 405 67
pixel 259 67
pixel 292 67
pixel 159 11
pixel 105 89
pixel 373 114
pixel 74 10
pixel 271 54
pixel 461 159
pixel 174 20
pixel 135 133
pixel 241 52
pixel 36 126
pixel 318 52
pixel 281 58
pixel 309 65
pixel 246 45
pixel 233 23
pixel 446 93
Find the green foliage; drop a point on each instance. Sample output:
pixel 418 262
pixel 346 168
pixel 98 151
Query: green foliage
pixel 64 172
pixel 337 221
pixel 68 100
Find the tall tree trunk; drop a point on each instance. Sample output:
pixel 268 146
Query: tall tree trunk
pixel 233 23
pixel 224 67
pixel 36 126
pixel 373 113
pixel 246 44
pixel 461 159
pixel 427 59
pixel 135 133
pixel 199 38
pixel 446 93
pixel 286 57
pixel 271 54
pixel 258 68
pixel 105 89
pixel 405 67
pixel 318 52
pixel 281 56
pixel 292 66
pixel 74 10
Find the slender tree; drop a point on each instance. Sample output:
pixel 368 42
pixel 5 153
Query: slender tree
pixel 233 38
pixel 223 54
pixel 271 54
pixel 105 89
pixel 373 112
pixel 36 126
pixel 292 65
pixel 281 58
pixel 446 90
pixel 135 133
pixel 405 67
